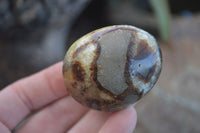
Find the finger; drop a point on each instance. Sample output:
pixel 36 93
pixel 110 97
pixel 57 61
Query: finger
pixel 90 123
pixel 4 129
pixel 123 121
pixel 56 118
pixel 21 98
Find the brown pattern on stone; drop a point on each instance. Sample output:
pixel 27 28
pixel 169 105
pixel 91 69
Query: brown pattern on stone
pixel 78 71
pixel 160 55
pixel 74 84
pixel 127 76
pixel 104 105
pixel 115 104
pixel 93 68
pixel 94 102
pixel 83 91
pixel 87 90
pixel 132 90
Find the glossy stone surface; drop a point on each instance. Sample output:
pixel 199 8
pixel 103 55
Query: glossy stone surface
pixel 113 67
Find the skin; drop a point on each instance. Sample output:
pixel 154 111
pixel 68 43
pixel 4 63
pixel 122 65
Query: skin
pixel 45 95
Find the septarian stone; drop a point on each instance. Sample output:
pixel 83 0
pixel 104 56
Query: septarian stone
pixel 113 67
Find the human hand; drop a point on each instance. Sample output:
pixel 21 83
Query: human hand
pixel 54 111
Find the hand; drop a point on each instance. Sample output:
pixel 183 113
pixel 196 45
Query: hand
pixel 54 111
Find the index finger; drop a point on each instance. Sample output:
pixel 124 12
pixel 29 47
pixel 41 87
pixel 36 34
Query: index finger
pixel 29 94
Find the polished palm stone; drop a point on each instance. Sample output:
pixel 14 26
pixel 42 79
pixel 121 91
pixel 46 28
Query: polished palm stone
pixel 111 68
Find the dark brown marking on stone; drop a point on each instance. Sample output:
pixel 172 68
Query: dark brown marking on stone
pixel 118 103
pixel 94 103
pixel 150 73
pixel 94 70
pixel 78 71
pixel 160 55
pixel 83 91
pixel 105 105
pixel 111 105
pixel 127 76
pixel 141 94
pixel 74 84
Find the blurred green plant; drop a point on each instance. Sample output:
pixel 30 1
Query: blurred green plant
pixel 161 10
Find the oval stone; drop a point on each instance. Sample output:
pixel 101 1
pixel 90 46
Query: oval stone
pixel 113 67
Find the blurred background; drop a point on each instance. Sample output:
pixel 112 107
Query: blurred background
pixel 35 34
